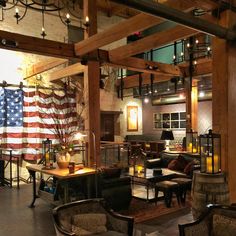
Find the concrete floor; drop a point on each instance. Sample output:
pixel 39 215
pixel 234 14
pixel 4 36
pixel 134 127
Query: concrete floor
pixel 16 218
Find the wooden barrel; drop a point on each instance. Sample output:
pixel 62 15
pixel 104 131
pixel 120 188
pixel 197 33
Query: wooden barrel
pixel 208 188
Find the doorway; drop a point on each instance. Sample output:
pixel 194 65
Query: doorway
pixel 107 127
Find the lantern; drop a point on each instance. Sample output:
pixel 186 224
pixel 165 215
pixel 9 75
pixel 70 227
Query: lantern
pixel 210 151
pixel 191 141
pixel 47 153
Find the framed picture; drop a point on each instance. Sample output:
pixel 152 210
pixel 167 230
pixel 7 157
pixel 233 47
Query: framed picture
pixel 132 118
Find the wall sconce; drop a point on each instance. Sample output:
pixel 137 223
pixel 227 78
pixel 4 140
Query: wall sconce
pixel 191 141
pixel 86 23
pixel 210 151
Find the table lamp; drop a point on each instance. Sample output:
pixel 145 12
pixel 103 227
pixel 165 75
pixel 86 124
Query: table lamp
pixel 167 135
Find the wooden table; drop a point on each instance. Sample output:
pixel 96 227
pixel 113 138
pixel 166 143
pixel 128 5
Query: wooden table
pixel 62 175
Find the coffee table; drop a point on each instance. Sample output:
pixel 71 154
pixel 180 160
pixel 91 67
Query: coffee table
pixel 148 179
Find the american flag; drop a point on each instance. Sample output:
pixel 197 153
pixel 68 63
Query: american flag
pixel 27 117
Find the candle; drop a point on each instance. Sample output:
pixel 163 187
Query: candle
pixel 209 164
pixel 216 163
pixel 189 148
pixel 139 169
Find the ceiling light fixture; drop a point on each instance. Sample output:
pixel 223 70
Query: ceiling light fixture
pixel 65 9
pixel 146 100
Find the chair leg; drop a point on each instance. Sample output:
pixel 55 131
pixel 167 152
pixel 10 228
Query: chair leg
pixel 178 195
pixel 168 197
pixel 156 195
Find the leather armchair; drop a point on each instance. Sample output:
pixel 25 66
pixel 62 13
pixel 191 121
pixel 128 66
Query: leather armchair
pixel 115 189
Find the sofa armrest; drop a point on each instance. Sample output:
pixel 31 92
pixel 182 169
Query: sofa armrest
pixel 153 163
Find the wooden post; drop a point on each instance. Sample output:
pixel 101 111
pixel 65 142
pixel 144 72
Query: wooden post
pixel 224 99
pixel 194 106
pixel 191 94
pixel 92 89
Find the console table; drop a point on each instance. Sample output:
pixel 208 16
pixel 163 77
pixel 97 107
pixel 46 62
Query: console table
pixel 61 175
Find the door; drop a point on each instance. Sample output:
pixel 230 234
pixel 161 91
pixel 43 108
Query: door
pixel 107 127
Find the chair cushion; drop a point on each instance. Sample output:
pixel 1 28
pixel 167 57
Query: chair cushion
pixel 223 225
pixel 90 223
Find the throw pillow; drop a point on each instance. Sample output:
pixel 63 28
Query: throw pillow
pixel 173 165
pixel 224 225
pixel 111 172
pixel 189 167
pixel 182 162
pixel 177 164
pixel 90 223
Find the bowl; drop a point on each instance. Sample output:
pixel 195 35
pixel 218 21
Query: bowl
pixel 63 164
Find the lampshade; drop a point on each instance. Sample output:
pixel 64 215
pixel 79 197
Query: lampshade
pixel 167 135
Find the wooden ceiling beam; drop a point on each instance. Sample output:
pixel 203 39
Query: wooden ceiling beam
pixel 150 67
pixel 121 30
pixel 28 44
pixel 67 71
pixel 204 66
pixel 43 66
pixel 133 80
pixel 153 41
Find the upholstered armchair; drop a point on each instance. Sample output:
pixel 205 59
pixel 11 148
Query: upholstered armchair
pixel 217 221
pixel 90 217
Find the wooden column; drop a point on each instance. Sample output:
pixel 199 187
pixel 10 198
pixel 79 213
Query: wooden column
pixel 191 94
pixel 191 106
pixel 188 105
pixel 224 99
pixel 194 106
pixel 92 90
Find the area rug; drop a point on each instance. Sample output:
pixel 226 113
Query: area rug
pixel 142 210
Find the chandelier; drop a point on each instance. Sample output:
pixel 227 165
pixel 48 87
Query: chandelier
pixel 65 9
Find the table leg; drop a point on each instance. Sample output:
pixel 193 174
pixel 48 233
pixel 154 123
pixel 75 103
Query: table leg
pixel 32 174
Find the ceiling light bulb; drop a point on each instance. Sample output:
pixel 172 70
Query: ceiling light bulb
pixel 201 94
pixel 146 100
pixel 155 91
pixel 195 62
pixel 181 54
pixel 150 92
pixel 196 41
pixel 173 57
pixel 208 48
pixel 188 45
pixel 168 89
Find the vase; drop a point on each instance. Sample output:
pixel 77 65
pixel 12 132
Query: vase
pixel 63 159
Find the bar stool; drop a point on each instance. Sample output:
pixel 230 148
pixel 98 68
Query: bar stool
pixel 167 187
pixel 184 185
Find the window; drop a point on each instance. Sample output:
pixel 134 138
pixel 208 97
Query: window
pixel 175 120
